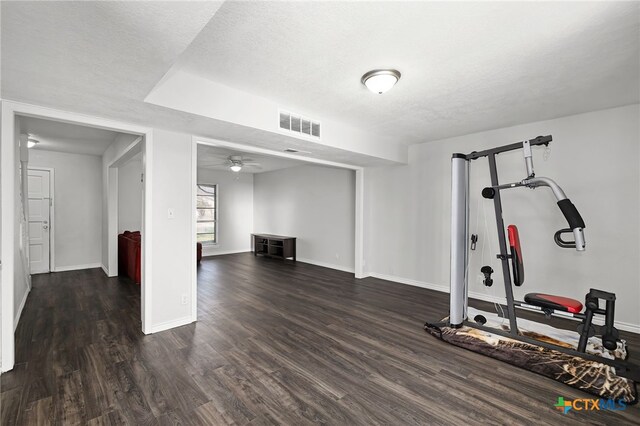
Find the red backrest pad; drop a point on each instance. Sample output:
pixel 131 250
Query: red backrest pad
pixel 516 252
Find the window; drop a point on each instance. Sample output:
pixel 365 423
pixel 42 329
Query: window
pixel 207 214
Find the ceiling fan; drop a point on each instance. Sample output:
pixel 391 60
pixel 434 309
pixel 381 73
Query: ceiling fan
pixel 236 163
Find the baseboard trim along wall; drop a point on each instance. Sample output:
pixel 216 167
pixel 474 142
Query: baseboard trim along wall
pixel 171 324
pixel 105 270
pixel 16 319
pixel 220 253
pixel 78 267
pixel 303 260
pixel 621 325
pixel 327 265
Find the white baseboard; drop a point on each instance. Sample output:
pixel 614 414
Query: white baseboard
pixel 303 260
pixel 486 297
pixel 16 319
pixel 171 324
pixel 104 268
pixel 326 265
pixel 408 281
pixel 221 252
pixel 621 325
pixel 78 267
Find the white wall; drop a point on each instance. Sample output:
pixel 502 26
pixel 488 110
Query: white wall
pixel 130 196
pixel 235 214
pixel 78 208
pixel 109 192
pixel 594 158
pixel 190 93
pixel 22 277
pixel 313 203
pixel 174 259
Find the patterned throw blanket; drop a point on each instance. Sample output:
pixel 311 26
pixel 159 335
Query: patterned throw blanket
pixel 590 376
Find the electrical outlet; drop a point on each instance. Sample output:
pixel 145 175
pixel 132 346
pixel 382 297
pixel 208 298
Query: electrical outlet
pixel 184 299
pixel 337 256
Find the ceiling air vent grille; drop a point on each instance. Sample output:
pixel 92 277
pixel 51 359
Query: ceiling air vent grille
pixel 299 124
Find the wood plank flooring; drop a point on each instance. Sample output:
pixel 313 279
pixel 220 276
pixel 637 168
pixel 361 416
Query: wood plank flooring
pixel 276 343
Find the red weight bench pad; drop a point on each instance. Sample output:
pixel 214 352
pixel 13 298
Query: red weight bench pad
pixel 557 303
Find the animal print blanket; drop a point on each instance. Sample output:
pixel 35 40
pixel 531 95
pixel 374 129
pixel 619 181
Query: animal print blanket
pixel 590 376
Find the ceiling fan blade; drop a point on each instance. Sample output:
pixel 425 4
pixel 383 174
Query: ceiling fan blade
pixel 212 164
pixel 250 163
pixel 254 165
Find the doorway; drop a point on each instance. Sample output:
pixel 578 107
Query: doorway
pixel 286 188
pixel 15 280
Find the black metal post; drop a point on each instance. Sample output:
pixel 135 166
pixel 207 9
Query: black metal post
pixel 497 203
pixel 584 333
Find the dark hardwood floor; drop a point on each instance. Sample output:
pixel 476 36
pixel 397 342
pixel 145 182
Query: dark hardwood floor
pixel 276 343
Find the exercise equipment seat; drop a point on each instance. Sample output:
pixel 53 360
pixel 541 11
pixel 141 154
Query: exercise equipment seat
pixel 557 303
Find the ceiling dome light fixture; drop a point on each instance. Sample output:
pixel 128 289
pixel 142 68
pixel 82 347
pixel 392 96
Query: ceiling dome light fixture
pixel 236 167
pixel 32 142
pixel 379 81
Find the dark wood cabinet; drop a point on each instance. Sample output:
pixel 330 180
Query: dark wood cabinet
pixel 274 246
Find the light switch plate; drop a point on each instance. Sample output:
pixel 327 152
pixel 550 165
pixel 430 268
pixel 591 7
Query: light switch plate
pixel 171 214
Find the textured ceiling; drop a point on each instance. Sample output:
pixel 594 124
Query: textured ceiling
pixel 210 155
pixel 466 67
pixel 103 58
pixel 64 137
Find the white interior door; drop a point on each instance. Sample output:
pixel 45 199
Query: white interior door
pixel 39 220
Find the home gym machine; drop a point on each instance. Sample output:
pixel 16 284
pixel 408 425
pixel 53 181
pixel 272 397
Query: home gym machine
pixel 510 252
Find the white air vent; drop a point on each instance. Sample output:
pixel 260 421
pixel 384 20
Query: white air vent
pixel 296 123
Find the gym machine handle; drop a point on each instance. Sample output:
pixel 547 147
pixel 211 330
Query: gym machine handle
pixel 571 214
pixel 568 210
pixel 576 225
pixel 562 243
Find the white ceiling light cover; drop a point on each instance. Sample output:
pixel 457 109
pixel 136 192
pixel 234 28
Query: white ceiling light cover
pixel 380 81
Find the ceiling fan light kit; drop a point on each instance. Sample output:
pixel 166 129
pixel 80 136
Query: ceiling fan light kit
pixel 235 163
pixel 31 142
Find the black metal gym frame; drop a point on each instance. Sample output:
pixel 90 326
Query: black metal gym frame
pixel 623 368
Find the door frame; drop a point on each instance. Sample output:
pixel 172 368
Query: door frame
pixel 359 271
pixel 52 218
pixel 113 195
pixel 10 110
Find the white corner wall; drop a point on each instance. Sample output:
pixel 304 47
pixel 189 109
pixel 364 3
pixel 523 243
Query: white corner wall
pixel 235 214
pixel 78 207
pixel 313 203
pixel 594 158
pixel 130 196
pixel 173 256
